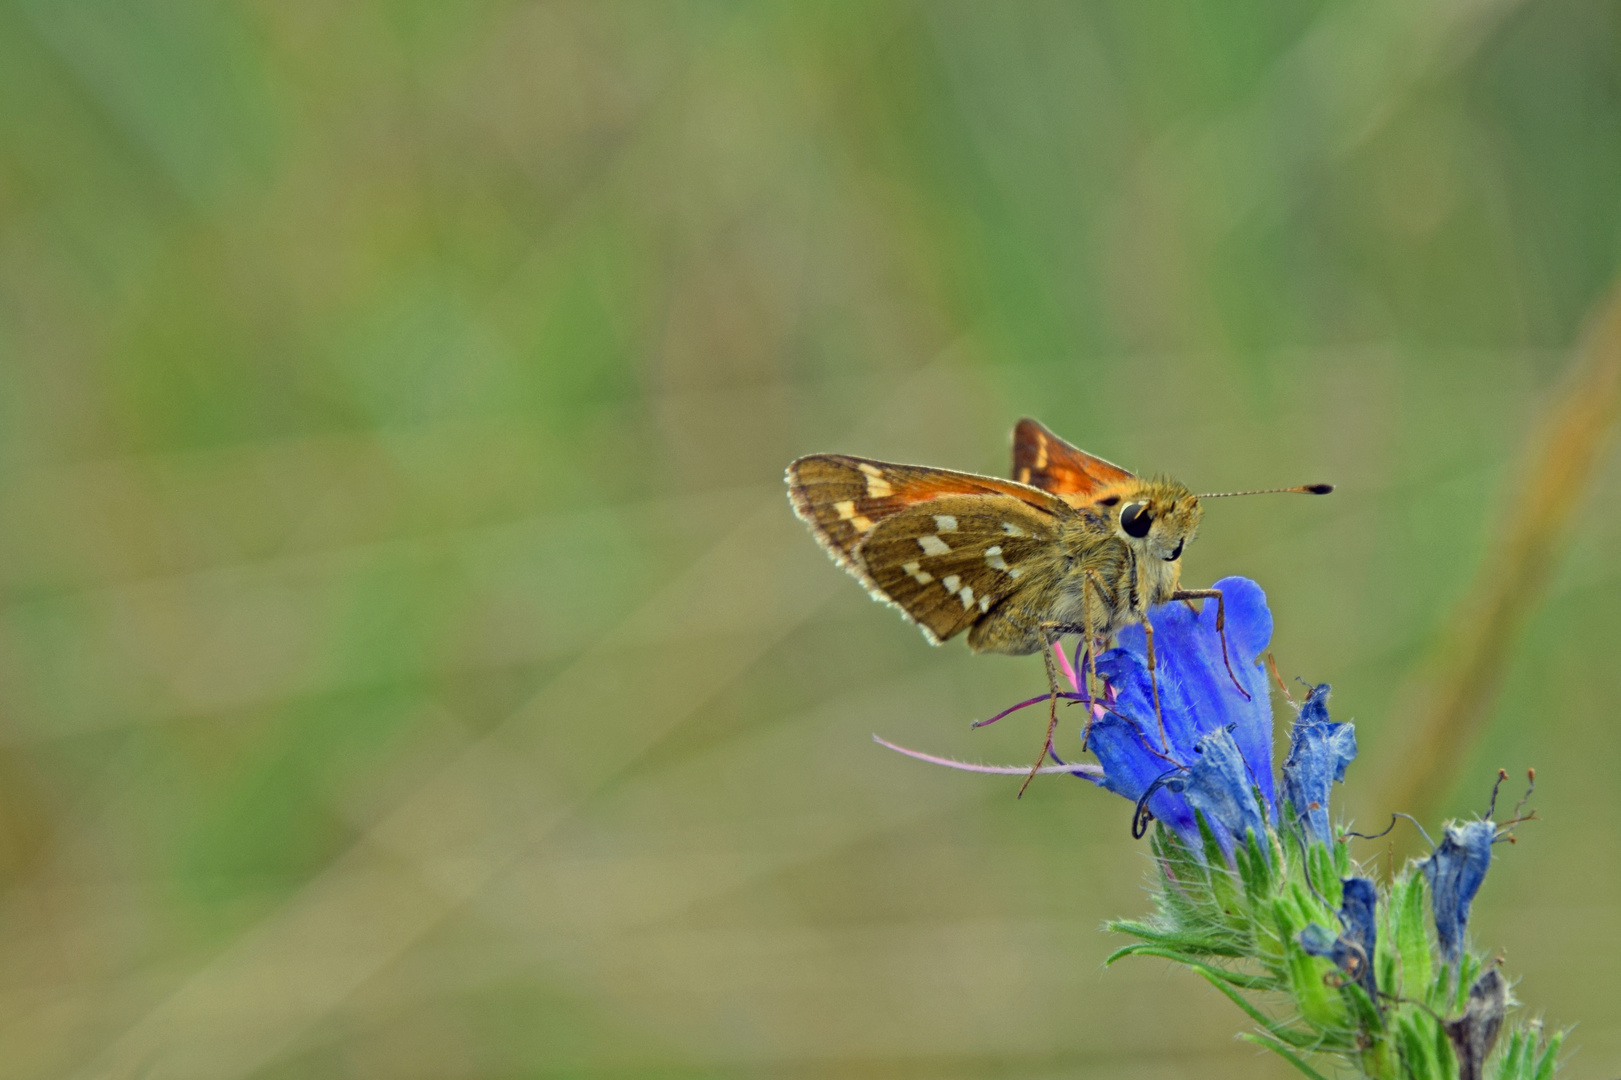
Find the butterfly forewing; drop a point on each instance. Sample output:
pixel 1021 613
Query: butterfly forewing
pixel 843 498
pixel 1041 459
pixel 948 562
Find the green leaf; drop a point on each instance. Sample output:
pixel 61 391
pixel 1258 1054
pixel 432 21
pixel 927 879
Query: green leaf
pixel 1235 978
pixel 1283 1052
pixel 1183 941
pixel 1301 1040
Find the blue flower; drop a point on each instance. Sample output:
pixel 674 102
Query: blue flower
pixel 1352 950
pixel 1454 873
pixel 1319 751
pixel 1216 753
pixel 1218 785
pixel 1209 748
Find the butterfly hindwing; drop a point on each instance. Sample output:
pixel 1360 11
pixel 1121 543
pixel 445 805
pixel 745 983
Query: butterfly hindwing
pixel 1041 459
pixel 950 561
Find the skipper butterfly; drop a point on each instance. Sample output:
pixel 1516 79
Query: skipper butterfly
pixel 1072 545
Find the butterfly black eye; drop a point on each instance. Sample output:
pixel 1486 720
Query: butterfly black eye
pixel 1135 519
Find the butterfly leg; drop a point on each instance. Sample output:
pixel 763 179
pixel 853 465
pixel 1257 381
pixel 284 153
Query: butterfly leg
pixel 1089 671
pixel 1052 714
pixel 1221 626
pixel 1153 683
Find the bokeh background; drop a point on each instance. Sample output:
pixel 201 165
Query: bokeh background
pixel 410 666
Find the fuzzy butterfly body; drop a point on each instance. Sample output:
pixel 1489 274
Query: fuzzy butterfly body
pixel 1083 547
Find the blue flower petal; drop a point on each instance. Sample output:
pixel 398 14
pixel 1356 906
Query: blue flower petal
pixel 1319 942
pixel 1358 901
pixel 1454 873
pixel 1127 674
pixel 1352 950
pixel 1314 710
pixel 1319 751
pixel 1130 768
pixel 1197 697
pixel 1220 785
pixel 1193 676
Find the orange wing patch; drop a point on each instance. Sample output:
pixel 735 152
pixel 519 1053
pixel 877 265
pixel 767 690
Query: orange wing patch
pixel 1041 459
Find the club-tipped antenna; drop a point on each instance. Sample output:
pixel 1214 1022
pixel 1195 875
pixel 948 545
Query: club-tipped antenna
pixel 1303 489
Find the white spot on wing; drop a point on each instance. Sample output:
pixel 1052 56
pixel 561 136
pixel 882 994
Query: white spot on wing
pixel 967 595
pixel 933 545
pixel 1014 572
pixel 847 512
pixel 1012 529
pixel 919 575
pixel 944 523
pixel 993 557
pixel 984 603
pixel 951 581
pixel 877 486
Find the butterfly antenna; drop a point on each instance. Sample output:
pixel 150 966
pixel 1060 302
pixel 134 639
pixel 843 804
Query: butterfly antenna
pixel 1303 489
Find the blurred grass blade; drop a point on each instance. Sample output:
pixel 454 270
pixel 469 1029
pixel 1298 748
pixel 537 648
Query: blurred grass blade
pixel 1452 697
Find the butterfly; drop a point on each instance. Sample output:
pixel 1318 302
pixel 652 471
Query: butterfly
pixel 1073 544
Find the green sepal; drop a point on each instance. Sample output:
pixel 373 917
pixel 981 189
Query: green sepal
pixel 1342 859
pixel 1228 902
pixel 1363 1011
pixel 1253 867
pixel 1550 1057
pixel 1446 1059
pixel 1515 1056
pixel 1421 1058
pixel 1315 999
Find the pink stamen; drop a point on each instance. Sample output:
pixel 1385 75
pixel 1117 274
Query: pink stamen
pixel 1068 670
pixel 1010 709
pixel 1081 769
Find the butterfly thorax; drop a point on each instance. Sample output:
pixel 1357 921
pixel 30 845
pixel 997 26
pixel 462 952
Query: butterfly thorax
pixel 1100 576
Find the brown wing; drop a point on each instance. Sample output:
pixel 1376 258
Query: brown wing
pixel 948 562
pixel 843 499
pixel 1041 459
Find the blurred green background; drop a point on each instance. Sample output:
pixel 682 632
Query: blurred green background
pixel 410 666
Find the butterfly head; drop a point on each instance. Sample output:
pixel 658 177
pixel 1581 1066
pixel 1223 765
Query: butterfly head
pixel 1156 517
